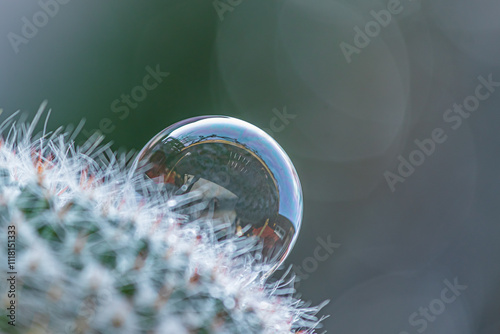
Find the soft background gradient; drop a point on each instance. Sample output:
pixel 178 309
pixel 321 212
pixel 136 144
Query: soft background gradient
pixel 352 122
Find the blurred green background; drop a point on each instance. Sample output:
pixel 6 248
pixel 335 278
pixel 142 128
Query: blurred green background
pixel 349 123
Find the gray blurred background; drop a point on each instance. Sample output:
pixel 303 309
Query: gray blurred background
pixel 352 117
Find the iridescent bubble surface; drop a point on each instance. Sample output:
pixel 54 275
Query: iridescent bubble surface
pixel 247 181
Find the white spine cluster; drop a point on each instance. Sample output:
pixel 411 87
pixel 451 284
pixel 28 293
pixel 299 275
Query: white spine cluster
pixel 93 255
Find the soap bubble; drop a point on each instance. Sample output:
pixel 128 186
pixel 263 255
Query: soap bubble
pixel 233 173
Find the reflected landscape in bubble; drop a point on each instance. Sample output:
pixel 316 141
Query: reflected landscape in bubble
pixel 241 178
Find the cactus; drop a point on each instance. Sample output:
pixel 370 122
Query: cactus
pixel 94 250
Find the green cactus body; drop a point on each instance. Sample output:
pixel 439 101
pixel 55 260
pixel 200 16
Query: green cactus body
pixel 92 255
